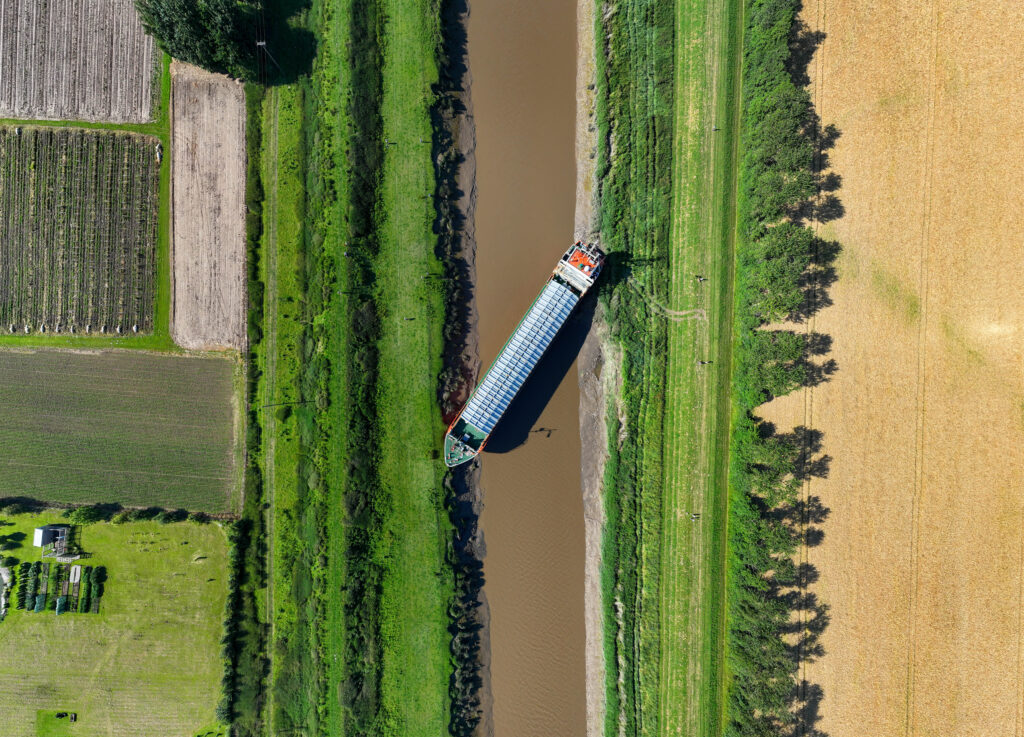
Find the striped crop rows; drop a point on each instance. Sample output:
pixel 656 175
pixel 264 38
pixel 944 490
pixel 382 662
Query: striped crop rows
pixel 75 60
pixel 78 230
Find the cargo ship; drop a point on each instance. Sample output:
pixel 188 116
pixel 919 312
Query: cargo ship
pixel 574 274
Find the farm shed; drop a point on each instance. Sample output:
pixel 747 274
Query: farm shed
pixel 49 535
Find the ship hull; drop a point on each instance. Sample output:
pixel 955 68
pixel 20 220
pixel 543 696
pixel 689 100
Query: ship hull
pixel 574 274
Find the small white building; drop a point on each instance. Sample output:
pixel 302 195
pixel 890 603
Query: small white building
pixel 50 535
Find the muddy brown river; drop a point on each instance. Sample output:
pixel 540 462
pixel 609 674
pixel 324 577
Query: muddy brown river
pixel 522 56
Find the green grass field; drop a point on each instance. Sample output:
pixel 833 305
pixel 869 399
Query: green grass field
pixel 340 663
pixel 148 665
pixel 280 269
pixel 418 585
pixel 133 428
pixel 692 571
pixel 668 215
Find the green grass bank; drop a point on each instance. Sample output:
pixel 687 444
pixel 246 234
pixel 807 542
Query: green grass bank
pixel 358 581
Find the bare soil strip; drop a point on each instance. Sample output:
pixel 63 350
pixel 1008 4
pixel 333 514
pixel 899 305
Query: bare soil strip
pixel 75 60
pixel 208 172
pixel 921 560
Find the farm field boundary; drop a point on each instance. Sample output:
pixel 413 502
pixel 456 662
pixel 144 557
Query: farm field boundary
pixel 148 664
pixel 118 427
pixel 89 60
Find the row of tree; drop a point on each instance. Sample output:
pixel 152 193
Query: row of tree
pixel 774 254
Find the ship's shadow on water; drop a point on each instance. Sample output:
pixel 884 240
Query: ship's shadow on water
pixel 519 420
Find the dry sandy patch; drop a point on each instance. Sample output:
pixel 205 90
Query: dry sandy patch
pixel 75 60
pixel 921 561
pixel 208 173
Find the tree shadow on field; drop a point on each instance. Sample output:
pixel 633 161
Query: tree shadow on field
pixel 792 587
pixel 290 46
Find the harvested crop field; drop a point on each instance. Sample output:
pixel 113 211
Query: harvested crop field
pixel 208 172
pixel 148 664
pixel 134 428
pixel 81 60
pixel 78 230
pixel 921 560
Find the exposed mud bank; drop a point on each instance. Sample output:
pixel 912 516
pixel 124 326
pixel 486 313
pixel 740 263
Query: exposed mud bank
pixel 455 160
pixel 597 368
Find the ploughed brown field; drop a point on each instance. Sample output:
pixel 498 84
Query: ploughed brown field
pixel 921 560
pixel 75 60
pixel 208 173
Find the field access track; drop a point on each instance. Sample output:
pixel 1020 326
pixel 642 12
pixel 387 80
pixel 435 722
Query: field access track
pixel 135 428
pixel 75 60
pixel 78 230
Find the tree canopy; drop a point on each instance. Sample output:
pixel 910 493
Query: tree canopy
pixel 217 35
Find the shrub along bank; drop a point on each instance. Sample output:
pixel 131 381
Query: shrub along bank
pixel 244 640
pixel 634 116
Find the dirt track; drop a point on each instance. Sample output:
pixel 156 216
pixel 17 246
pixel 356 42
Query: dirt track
pixel 921 561
pixel 208 171
pixel 75 60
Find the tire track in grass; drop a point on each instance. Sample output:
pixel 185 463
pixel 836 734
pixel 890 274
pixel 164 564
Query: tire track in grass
pixel 269 347
pixel 915 543
pixel 703 225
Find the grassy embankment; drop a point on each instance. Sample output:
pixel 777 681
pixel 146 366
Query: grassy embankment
pixel 702 241
pixel 634 116
pixel 669 108
pixel 774 278
pixel 359 536
pixel 665 626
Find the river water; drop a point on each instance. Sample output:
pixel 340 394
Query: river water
pixel 522 56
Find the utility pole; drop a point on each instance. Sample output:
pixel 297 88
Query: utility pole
pixel 263 45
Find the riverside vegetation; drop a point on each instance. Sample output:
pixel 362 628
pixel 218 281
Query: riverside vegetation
pixel 777 273
pixel 358 610
pixel 634 103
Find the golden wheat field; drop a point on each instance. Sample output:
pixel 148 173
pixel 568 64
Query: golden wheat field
pixel 921 559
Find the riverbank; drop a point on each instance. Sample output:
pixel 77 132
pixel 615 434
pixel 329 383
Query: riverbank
pixel 455 154
pixel 667 120
pixel 360 578
pixel 594 360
